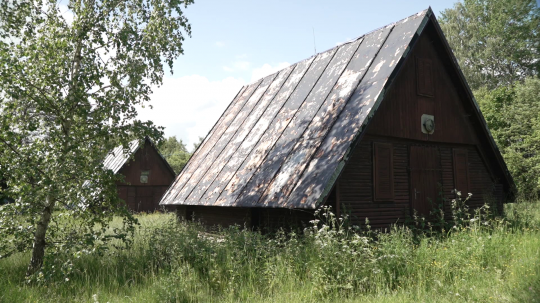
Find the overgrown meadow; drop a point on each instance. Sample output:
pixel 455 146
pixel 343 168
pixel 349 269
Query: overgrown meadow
pixel 481 259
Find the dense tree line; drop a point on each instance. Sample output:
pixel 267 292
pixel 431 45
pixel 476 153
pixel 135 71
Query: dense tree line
pixel 176 153
pixel 497 44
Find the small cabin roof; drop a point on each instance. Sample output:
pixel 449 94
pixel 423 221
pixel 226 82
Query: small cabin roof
pixel 116 159
pixel 284 139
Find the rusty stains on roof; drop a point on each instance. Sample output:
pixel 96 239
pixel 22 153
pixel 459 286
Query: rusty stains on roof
pixel 283 139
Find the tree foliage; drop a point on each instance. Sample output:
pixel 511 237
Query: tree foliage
pixel 513 116
pixel 197 144
pixel 71 77
pixel 175 152
pixel 497 42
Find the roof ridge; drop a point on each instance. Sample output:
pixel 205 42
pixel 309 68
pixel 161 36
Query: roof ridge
pixel 427 11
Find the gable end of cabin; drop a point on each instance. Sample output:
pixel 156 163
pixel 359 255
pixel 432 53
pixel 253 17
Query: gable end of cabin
pixel 423 142
pixel 146 178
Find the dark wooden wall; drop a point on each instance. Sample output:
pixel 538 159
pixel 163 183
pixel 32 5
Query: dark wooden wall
pixel 419 88
pixel 400 112
pixel 145 196
pixel 215 215
pixel 264 219
pixel 356 181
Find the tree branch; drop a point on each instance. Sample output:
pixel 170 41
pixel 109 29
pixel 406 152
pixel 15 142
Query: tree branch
pixel 20 156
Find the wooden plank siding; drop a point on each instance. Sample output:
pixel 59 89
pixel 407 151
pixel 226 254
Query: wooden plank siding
pixel 400 114
pixel 257 218
pixel 426 177
pixel 144 196
pixel 356 182
pixel 383 172
pixel 356 187
pixel 423 87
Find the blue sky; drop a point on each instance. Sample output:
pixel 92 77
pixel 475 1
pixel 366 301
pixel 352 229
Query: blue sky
pixel 235 42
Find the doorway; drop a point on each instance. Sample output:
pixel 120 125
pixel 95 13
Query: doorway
pixel 425 171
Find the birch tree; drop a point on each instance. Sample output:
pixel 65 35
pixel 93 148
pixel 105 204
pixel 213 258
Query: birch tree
pixel 72 74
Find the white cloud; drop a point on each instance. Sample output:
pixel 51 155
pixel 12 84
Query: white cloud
pixel 189 106
pixel 238 66
pixel 242 65
pixel 219 44
pixel 266 70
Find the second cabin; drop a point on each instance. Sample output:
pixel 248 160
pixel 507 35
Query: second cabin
pixel 147 175
pixel 377 128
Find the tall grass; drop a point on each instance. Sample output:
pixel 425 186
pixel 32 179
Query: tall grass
pixel 495 261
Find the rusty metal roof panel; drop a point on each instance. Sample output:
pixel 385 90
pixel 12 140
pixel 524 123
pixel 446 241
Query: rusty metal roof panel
pixel 304 151
pixel 198 153
pixel 282 140
pixel 268 91
pixel 117 158
pixel 265 177
pixel 330 154
pixel 199 157
pixel 236 171
pixel 221 142
pixel 259 155
pixel 245 139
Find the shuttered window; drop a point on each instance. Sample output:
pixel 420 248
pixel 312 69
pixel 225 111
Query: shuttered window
pixel 424 77
pixel 461 171
pixel 383 172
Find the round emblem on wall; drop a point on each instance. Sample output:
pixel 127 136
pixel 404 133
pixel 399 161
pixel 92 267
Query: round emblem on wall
pixel 429 125
pixel 144 176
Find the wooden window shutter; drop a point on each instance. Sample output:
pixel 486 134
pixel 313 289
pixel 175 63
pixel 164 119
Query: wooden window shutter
pixel 461 171
pixel 424 77
pixel 383 172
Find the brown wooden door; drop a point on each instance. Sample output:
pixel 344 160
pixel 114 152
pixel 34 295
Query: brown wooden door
pixel 145 198
pixel 425 168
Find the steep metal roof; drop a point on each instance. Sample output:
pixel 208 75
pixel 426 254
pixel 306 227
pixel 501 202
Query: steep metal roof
pixel 283 139
pixel 116 158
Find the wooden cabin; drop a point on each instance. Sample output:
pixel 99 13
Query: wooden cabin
pixel 147 175
pixel 377 127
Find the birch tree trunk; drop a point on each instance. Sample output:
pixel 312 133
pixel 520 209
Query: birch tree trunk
pixel 38 249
